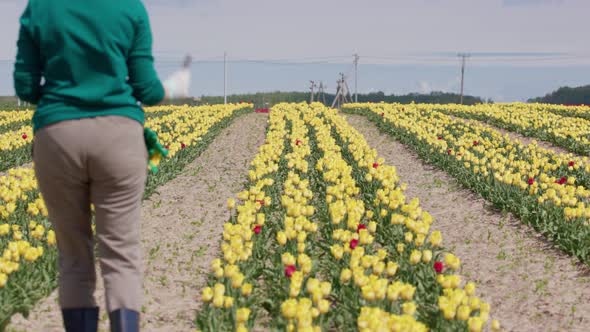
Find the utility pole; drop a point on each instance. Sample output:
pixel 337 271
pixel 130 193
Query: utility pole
pixel 356 66
pixel 463 57
pixel 313 85
pixel 337 96
pixel 342 92
pixel 321 93
pixel 225 77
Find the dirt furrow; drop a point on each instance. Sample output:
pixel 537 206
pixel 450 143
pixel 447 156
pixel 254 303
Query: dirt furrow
pixel 530 285
pixel 181 229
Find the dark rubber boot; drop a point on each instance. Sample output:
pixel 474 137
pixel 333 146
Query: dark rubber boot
pixel 124 320
pixel 80 319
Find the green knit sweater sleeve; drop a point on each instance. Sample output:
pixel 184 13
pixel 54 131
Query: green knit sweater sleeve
pixel 146 85
pixel 28 67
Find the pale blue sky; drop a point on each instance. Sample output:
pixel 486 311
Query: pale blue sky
pixel 521 48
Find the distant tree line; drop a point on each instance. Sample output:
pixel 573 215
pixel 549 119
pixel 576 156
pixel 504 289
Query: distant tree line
pixel 566 96
pixel 267 99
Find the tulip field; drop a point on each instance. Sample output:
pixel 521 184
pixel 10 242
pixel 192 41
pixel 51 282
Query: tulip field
pixel 568 128
pixel 27 243
pixel 544 189
pixel 323 235
pixel 323 238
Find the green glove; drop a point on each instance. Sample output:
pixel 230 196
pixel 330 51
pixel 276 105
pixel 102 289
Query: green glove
pixel 155 150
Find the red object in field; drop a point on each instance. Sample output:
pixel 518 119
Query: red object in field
pixel 438 267
pixel 257 229
pixel 375 165
pixel 571 164
pixel 182 145
pixel 563 180
pixel 360 226
pixel 353 243
pixel 25 136
pixel 261 110
pixel 289 270
pixel 531 181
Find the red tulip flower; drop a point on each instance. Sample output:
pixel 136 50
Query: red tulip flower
pixel 257 229
pixel 449 151
pixel 475 143
pixel 289 270
pixel 182 145
pixel 360 226
pixel 375 165
pixel 571 164
pixel 25 136
pixel 382 114
pixel 531 181
pixel 438 267
pixel 260 201
pixel 563 180
pixel 297 142
pixel 439 138
pixel 353 243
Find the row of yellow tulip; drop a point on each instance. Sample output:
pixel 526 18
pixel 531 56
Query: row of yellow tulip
pixel 571 133
pixel 579 111
pixel 367 268
pixel 26 236
pixel 306 310
pixel 342 217
pixel 545 189
pixel 21 242
pixel 8 118
pixel 17 136
pixel 185 126
pixel 18 117
pixel 403 229
pixel 27 243
pixel 228 298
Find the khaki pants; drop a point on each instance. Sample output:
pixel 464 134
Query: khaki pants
pixel 102 161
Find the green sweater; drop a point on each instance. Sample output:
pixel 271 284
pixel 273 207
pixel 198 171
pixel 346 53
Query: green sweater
pixel 95 58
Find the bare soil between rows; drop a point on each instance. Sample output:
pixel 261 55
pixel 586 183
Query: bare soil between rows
pixel 530 285
pixel 181 229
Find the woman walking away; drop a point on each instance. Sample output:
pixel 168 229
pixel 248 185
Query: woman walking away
pixel 96 62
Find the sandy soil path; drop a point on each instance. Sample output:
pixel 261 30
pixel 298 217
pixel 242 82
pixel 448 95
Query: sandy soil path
pixel 182 227
pixel 530 285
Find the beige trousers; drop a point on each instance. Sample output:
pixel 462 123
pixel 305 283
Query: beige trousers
pixel 102 161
